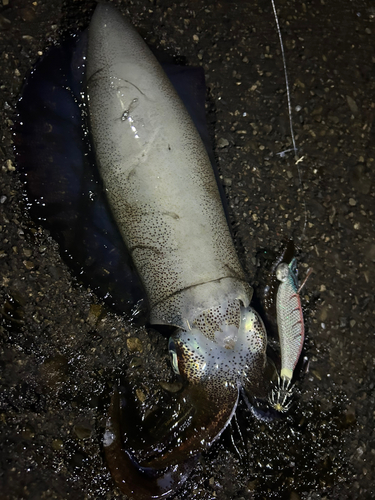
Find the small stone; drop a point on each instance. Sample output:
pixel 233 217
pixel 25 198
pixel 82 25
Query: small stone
pixel 352 323
pixel 350 416
pixel 96 313
pixel 171 386
pixel 57 444
pixel 27 14
pixel 227 182
pixel 82 432
pixel 28 433
pixel 370 254
pixel 343 322
pixel 10 166
pixel 316 374
pixel 294 496
pixel 251 485
pixel 352 202
pixel 222 143
pixel 300 84
pixel 134 344
pixel 27 252
pixel 317 111
pixel 334 119
pixel 4 23
pixel 352 105
pixel 3 199
pixel 196 38
pixel 53 371
pixel 140 395
pixel 28 264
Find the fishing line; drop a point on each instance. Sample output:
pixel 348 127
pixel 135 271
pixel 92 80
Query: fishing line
pixel 295 149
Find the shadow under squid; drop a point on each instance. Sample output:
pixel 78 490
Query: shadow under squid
pixel 116 158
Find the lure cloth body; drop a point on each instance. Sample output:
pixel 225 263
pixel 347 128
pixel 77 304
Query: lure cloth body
pixel 289 319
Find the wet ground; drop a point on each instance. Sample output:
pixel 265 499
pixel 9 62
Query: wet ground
pixel 61 348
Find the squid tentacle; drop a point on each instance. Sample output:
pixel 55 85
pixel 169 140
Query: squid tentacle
pixel 134 480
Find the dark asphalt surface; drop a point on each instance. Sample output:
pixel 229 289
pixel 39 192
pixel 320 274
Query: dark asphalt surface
pixel 60 349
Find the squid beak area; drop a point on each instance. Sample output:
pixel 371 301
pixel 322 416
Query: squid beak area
pixel 134 480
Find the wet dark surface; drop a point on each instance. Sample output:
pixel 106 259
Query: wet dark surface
pixel 61 349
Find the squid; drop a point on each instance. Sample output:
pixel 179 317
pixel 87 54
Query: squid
pixel 167 215
pixel 164 197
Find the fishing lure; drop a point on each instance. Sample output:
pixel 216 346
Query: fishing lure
pixel 291 330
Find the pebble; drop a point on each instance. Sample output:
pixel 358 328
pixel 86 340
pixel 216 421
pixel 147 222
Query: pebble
pixel 4 23
pixel 343 322
pixel 350 416
pixel 141 396
pixel 171 386
pixel 294 496
pixel 53 371
pixel 82 432
pixel 10 166
pixel 134 344
pixel 95 313
pixel 222 143
pixel 352 105
pixel 136 362
pixel 227 182
pixel 57 444
pixel 352 202
pixel 28 264
pixel 370 254
pixel 27 14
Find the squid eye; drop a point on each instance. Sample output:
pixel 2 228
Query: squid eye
pixel 174 357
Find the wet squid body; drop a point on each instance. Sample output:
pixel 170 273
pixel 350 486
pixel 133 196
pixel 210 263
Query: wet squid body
pixel 165 200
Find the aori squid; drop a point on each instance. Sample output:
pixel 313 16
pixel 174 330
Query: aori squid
pixel 165 202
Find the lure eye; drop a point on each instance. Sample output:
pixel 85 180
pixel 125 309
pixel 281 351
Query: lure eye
pixel 282 272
